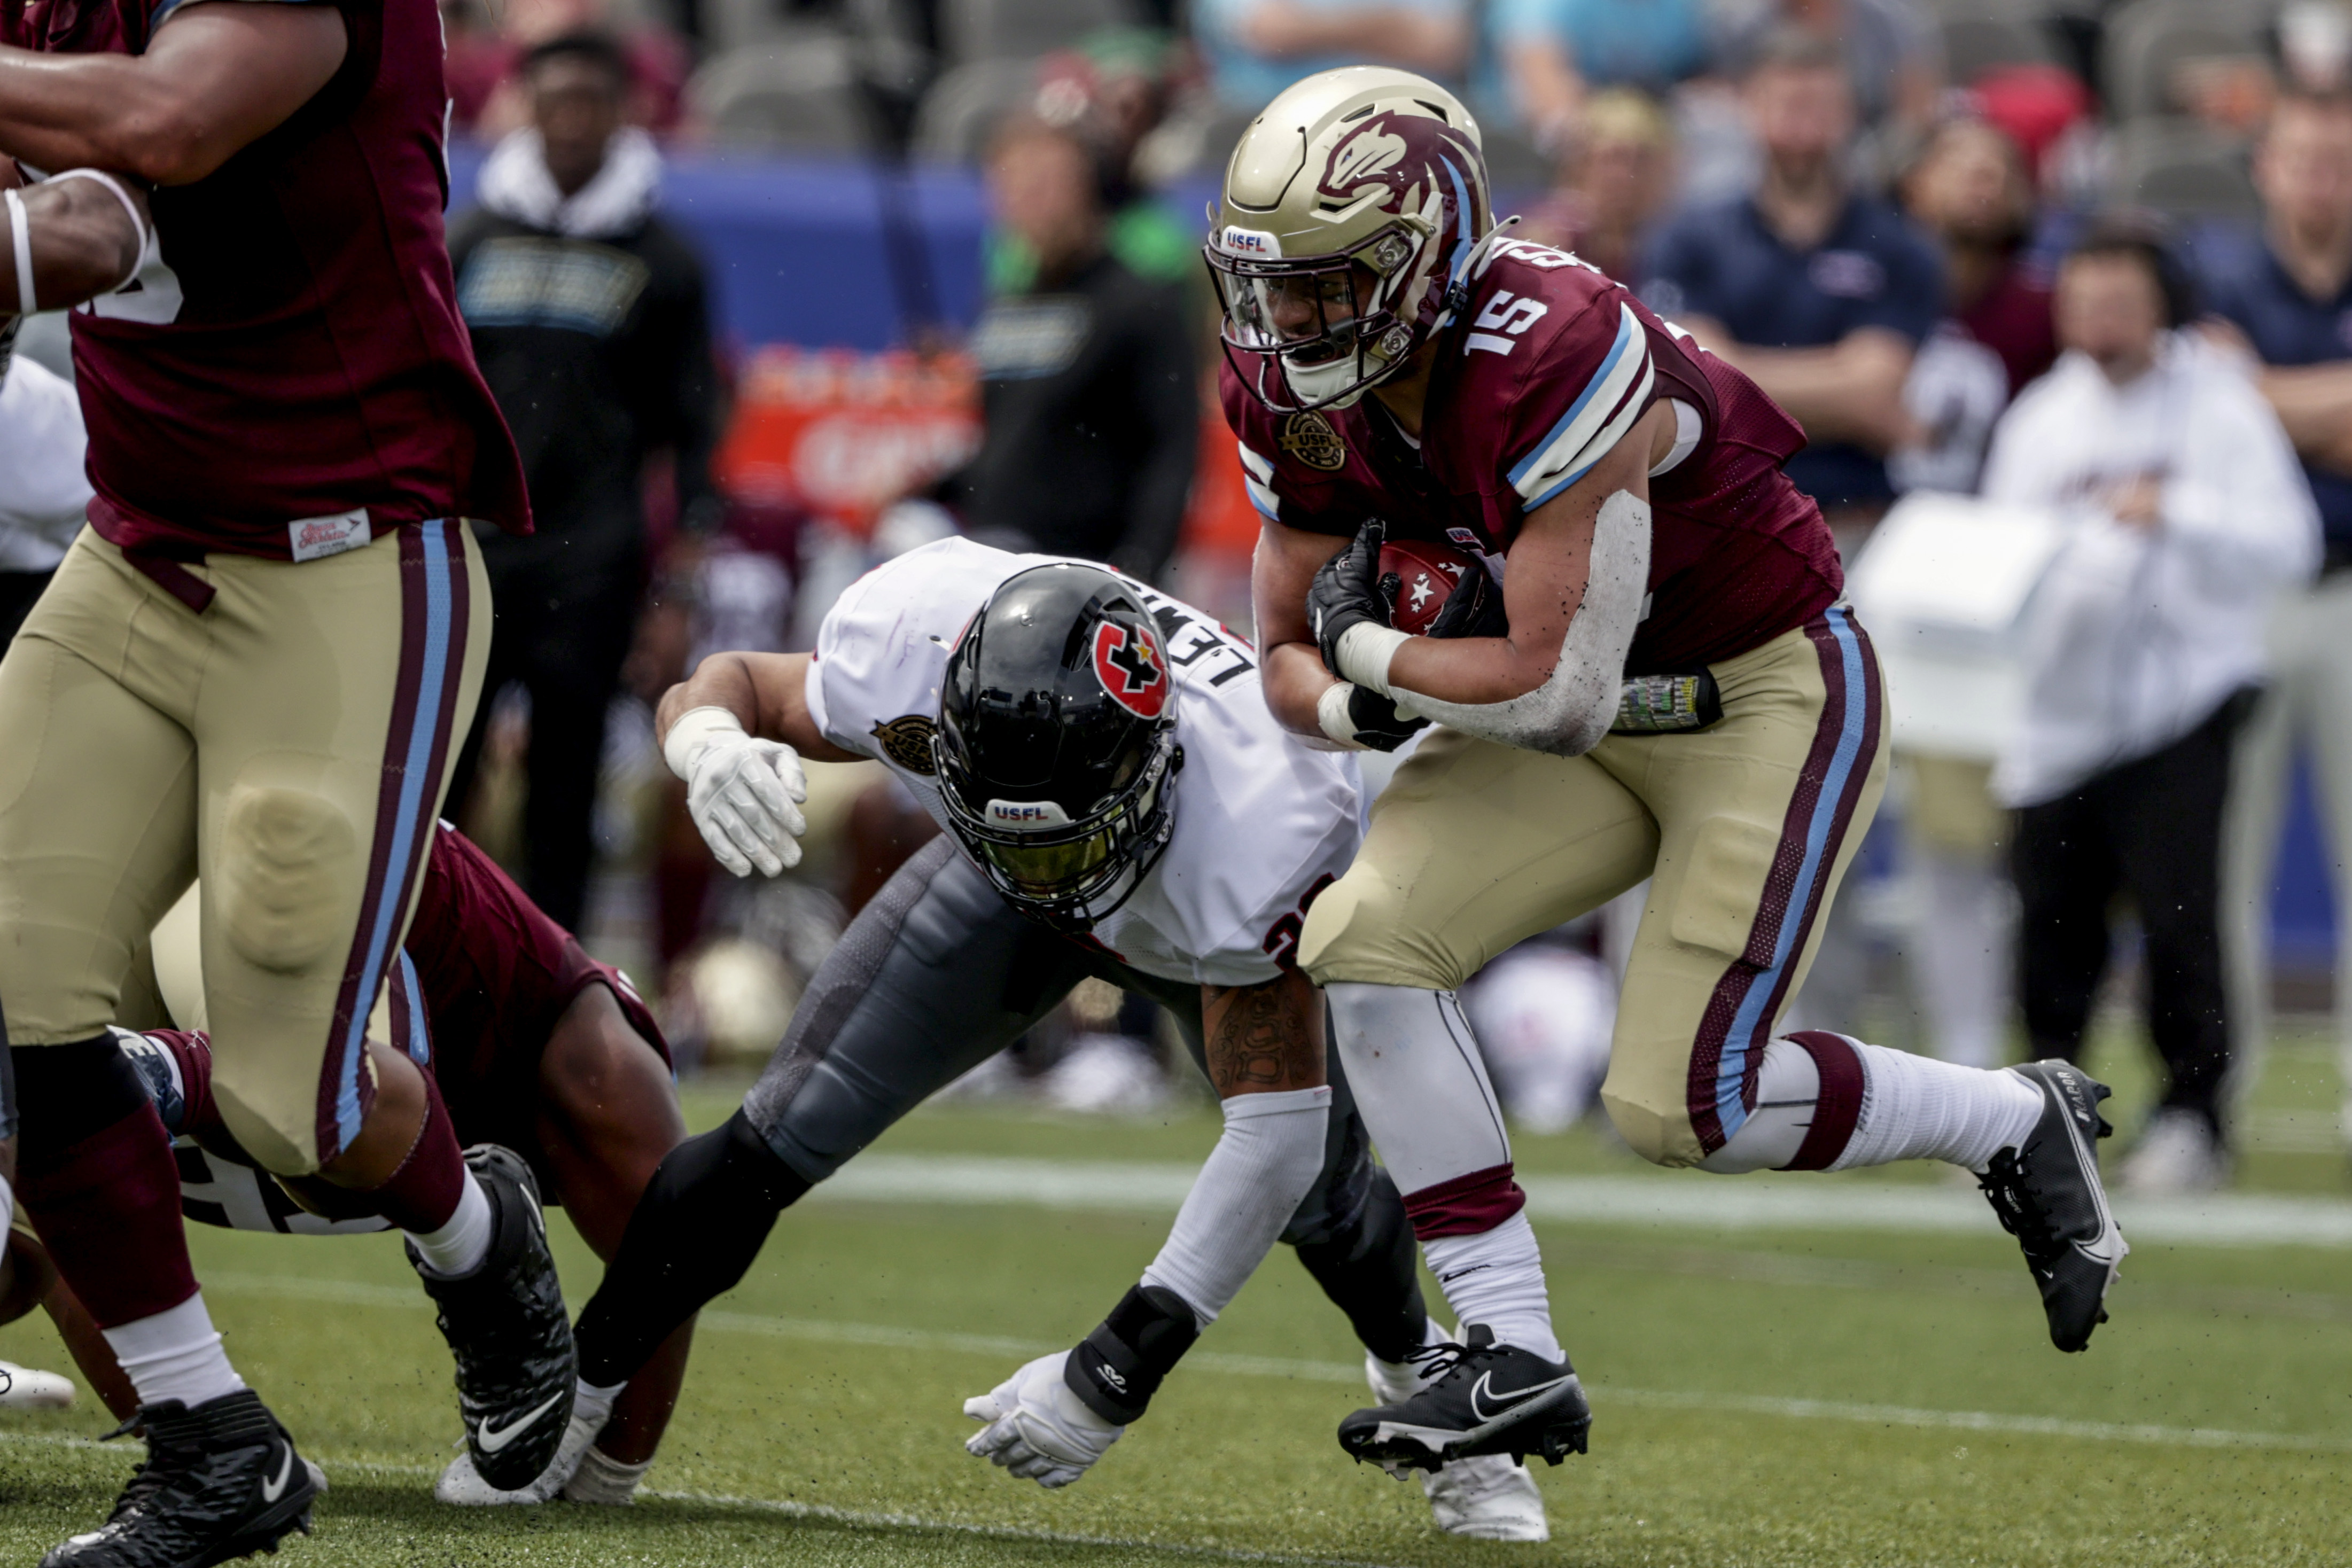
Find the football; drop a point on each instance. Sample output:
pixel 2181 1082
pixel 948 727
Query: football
pixel 1426 572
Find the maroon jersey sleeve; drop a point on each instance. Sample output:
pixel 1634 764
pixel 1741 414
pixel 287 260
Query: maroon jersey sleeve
pixel 288 374
pixel 497 975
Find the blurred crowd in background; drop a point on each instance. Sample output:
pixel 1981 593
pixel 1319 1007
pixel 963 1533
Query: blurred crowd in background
pixel 1896 216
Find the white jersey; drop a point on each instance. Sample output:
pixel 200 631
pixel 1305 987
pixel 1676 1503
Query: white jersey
pixel 1262 823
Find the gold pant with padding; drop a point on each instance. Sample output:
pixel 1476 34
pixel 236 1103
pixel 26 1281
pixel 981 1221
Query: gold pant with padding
pixel 1744 829
pixel 290 743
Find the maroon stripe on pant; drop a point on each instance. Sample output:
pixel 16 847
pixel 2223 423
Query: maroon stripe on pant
pixel 1839 1105
pixel 1467 1204
pixel 1780 884
pixel 418 542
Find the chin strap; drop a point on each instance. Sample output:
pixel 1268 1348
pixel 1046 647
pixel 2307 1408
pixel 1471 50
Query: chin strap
pixel 1569 712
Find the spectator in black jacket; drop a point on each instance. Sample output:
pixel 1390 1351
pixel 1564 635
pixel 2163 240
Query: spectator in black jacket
pixel 588 317
pixel 1091 421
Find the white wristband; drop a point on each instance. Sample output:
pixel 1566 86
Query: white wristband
pixel 696 728
pixel 129 210
pixel 1365 651
pixel 7 1212
pixel 1332 715
pixel 20 239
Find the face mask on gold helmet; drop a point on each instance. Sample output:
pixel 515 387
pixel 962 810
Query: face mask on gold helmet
pixel 1350 210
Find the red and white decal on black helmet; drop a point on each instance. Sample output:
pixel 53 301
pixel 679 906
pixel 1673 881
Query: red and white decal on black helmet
pixel 1131 668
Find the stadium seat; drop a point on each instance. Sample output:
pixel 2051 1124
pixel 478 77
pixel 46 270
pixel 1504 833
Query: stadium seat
pixel 1023 29
pixel 2149 41
pixel 1990 37
pixel 963 107
pixel 2183 169
pixel 796 94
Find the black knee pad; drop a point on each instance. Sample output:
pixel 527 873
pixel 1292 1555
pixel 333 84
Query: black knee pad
pixel 702 1221
pixel 1368 1270
pixel 66 1092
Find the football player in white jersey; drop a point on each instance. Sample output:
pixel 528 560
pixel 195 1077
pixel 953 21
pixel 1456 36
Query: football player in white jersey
pixel 1120 804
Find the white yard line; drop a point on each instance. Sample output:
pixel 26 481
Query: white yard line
pixel 1669 1200
pixel 855 1518
pixel 1352 1375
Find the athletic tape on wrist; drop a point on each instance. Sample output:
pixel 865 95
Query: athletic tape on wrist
pixel 696 728
pixel 1366 652
pixel 1331 716
pixel 20 238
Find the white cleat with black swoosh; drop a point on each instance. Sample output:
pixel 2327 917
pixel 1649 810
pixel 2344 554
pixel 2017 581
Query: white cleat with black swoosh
pixel 1481 1398
pixel 507 1327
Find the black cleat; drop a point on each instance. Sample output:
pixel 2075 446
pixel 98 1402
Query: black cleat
pixel 2048 1196
pixel 1481 1398
pixel 506 1325
pixel 221 1481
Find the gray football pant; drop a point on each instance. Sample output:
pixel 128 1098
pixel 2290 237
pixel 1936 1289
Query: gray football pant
pixel 938 974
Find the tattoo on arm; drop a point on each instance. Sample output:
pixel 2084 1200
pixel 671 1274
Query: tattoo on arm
pixel 1255 1043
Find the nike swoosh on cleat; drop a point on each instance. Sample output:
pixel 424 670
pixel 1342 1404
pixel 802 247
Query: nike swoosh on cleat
pixel 490 1439
pixel 1520 1397
pixel 272 1490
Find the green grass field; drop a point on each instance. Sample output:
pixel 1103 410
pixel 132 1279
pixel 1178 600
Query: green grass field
pixel 1774 1396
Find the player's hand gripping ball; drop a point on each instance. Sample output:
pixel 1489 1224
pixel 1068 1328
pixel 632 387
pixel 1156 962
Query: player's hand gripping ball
pixel 1035 1427
pixel 1436 590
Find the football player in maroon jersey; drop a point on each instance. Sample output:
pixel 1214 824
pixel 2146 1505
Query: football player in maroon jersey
pixel 1675 691
pixel 248 669
pixel 535 1046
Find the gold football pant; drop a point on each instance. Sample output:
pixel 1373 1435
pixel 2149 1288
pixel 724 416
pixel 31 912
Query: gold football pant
pixel 288 741
pixel 1744 830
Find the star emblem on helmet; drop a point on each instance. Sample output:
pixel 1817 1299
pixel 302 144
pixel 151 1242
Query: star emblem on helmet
pixel 1421 591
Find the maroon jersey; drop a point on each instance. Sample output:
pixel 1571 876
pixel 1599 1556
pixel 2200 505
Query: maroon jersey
pixel 495 974
pixel 291 376
pixel 1547 367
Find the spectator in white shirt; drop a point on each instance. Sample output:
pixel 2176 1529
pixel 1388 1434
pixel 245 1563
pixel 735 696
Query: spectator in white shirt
pixel 2188 515
pixel 42 488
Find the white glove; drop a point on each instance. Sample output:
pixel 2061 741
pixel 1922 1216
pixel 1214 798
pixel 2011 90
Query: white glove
pixel 462 1486
pixel 1037 1427
pixel 743 794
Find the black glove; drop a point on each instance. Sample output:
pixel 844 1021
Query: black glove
pixel 1475 609
pixel 1346 591
pixel 1377 722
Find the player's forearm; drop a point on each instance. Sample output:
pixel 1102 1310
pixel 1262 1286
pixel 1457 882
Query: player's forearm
pixel 83 239
pixel 767 693
pixel 216 78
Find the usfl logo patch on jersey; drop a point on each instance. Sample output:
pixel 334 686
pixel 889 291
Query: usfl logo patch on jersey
pixel 1310 438
pixel 907 741
pixel 1128 662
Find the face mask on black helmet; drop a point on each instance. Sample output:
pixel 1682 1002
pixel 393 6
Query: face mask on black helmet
pixel 1056 743
pixel 1351 209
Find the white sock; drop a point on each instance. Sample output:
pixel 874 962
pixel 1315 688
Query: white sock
pixel 1495 1278
pixel 175 1355
pixel 459 1247
pixel 1787 1089
pixel 1251 1182
pixel 602 1478
pixel 1916 1108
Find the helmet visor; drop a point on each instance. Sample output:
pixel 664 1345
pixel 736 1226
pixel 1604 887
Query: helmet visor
pixel 1049 869
pixel 1306 314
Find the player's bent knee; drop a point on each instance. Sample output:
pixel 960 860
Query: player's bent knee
pixel 1659 1132
pixel 1361 929
pixel 286 875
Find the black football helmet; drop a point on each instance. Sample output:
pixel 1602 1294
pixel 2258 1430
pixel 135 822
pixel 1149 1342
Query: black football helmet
pixel 1057 742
